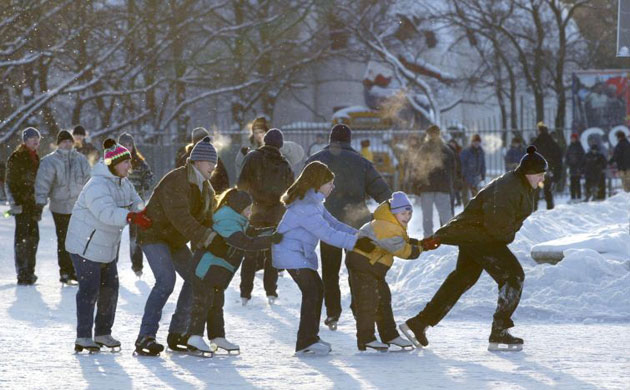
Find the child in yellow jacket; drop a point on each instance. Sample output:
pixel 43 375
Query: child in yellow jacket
pixel 371 297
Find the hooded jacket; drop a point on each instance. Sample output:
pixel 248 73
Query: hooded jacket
pixel 100 214
pixel 61 177
pixel 21 174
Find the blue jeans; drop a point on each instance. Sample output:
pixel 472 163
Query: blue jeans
pixel 164 262
pixel 98 285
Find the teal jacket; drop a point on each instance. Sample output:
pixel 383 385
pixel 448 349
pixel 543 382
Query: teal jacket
pixel 232 226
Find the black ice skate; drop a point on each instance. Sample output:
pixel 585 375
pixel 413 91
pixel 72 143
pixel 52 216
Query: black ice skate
pixel 87 344
pixel 68 280
pixel 177 342
pixel 331 322
pixel 147 346
pixel 108 341
pixel 375 345
pixel 502 340
pixel 415 332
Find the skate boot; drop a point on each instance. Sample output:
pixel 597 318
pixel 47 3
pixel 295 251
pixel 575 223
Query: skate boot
pixel 271 299
pixel 68 280
pixel 147 346
pixel 198 347
pixel 404 345
pixel 108 341
pixel 225 345
pixel 244 301
pixel 326 343
pixel 177 342
pixel 375 345
pixel 502 340
pixel 331 322
pixel 316 349
pixel 86 343
pixel 415 332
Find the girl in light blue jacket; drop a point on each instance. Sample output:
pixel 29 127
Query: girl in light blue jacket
pixel 304 223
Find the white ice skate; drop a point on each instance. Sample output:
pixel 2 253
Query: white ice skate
pixel 375 345
pixel 271 299
pixel 244 301
pixel 315 349
pixel 225 345
pixel 108 341
pixel 86 343
pixel 198 347
pixel 401 343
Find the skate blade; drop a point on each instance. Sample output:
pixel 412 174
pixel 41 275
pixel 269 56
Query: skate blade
pixel 368 349
pixel 498 347
pixel 69 284
pixel 78 349
pixel 310 353
pixel 409 334
pixel 115 349
pixel 199 353
pixel 400 348
pixel 145 354
pixel 229 352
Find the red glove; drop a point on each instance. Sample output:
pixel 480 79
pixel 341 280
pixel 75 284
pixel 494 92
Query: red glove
pixel 140 219
pixel 430 243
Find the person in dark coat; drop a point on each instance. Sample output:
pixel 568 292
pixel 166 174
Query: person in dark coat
pixel 434 174
pixel 180 209
pixel 574 159
pixel 220 180
pixel 458 179
pixel 21 174
pixel 266 175
pixel 550 150
pixel 141 177
pixel 594 166
pixel 82 146
pixel 482 232
pixel 473 160
pixel 621 157
pixel 356 180
pixel 514 154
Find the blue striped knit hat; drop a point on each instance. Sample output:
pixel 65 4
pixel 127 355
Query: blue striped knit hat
pixel 204 151
pixel 400 202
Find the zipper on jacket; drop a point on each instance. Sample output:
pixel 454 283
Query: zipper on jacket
pixel 88 242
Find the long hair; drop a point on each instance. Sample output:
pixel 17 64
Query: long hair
pixel 222 198
pixel 313 176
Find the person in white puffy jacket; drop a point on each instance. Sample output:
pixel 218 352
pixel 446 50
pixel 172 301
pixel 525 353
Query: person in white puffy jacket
pixel 106 204
pixel 60 178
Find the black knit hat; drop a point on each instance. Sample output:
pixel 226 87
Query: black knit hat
pixel 64 135
pixel 78 130
pixel 532 162
pixel 340 133
pixel 275 138
pixel 239 201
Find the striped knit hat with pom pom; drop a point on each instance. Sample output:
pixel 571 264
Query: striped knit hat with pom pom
pixel 114 153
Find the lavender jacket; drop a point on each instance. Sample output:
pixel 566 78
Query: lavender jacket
pixel 306 222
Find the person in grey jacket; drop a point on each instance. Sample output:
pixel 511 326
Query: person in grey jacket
pixel 106 204
pixel 60 178
pixel 357 179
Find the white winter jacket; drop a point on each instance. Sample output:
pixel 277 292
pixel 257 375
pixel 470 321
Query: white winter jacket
pixel 100 214
pixel 61 177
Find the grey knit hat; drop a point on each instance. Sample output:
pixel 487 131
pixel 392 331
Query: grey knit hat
pixel 204 151
pixel 30 132
pixel 126 139
pixel 198 134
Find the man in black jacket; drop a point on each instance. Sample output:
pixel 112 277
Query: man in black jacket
pixel 266 175
pixel 482 232
pixel 355 180
pixel 551 151
pixel 621 157
pixel 21 173
pixel 574 159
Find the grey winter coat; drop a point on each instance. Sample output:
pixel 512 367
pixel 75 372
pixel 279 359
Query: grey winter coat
pixel 61 177
pixel 100 214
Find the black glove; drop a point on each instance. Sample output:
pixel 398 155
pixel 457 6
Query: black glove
pixel 276 238
pixel 414 241
pixel 218 247
pixel 364 244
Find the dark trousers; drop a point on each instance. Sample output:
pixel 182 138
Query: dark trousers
pixel 373 304
pixel 135 250
pixel 252 262
pixel 576 189
pixel 498 261
pixel 63 257
pixel 331 264
pixel 25 244
pixel 207 308
pixel 548 193
pixel 98 285
pixel 312 289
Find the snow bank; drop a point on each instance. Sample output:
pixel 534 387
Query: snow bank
pixel 591 284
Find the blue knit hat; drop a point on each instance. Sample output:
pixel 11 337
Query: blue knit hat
pixel 204 151
pixel 30 132
pixel 274 137
pixel 400 202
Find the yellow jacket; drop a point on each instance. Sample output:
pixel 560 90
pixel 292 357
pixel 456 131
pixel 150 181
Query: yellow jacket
pixel 389 235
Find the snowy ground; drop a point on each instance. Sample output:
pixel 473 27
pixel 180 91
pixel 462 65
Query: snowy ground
pixel 574 317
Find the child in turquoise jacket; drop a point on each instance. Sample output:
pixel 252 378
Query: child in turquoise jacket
pixel 213 274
